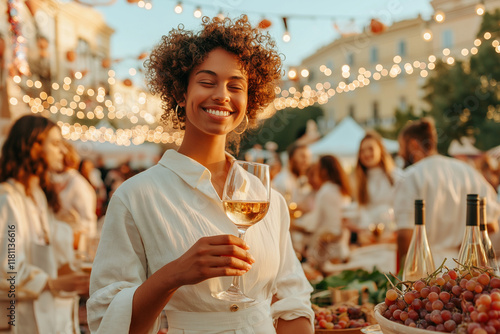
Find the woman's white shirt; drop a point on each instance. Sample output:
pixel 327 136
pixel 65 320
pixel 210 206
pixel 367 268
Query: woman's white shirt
pixel 156 216
pixel 42 244
pixel 326 217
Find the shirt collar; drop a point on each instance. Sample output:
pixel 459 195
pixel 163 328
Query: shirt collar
pixel 190 170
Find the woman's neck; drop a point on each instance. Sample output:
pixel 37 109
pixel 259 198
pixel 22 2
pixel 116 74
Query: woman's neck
pixel 209 151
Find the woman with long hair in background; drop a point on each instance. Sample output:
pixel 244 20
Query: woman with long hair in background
pixel 375 178
pixel 35 248
pixel 330 239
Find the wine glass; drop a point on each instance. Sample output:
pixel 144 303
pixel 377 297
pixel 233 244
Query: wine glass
pixel 246 197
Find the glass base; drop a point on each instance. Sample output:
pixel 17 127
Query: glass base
pixel 233 294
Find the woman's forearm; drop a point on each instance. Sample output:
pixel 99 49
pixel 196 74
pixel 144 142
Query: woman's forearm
pixel 299 326
pixel 150 298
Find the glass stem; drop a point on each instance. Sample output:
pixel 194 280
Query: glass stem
pixel 236 279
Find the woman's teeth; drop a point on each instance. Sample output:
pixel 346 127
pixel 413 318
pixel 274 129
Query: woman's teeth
pixel 218 112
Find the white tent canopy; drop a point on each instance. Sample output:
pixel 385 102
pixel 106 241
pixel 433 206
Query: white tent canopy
pixel 463 147
pixel 343 141
pixel 140 156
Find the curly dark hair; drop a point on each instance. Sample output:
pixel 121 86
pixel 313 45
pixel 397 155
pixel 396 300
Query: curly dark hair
pixel 21 158
pixel 172 60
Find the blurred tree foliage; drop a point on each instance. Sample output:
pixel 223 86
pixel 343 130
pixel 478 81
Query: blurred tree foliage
pixel 283 128
pixel 464 97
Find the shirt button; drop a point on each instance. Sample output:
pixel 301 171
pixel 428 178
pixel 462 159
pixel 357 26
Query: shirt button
pixel 234 308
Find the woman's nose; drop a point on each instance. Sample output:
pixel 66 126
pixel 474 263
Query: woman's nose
pixel 221 95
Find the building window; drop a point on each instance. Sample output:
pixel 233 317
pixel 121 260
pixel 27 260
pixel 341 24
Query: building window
pixel 376 115
pixel 374 55
pixel 447 39
pixel 402 48
pixel 83 59
pixel 351 111
pixel 350 59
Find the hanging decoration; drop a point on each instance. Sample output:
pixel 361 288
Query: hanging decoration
pixel 71 55
pixel 264 24
pixel 106 63
pixel 346 30
pixel 377 27
pixel 19 60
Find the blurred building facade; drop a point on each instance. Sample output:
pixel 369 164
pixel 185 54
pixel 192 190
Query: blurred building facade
pixel 61 40
pixel 369 75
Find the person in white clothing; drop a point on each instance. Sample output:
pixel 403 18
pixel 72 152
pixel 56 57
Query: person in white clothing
pixel 40 294
pixel 166 242
pixel 330 239
pixel 444 184
pixel 292 181
pixel 77 196
pixel 375 179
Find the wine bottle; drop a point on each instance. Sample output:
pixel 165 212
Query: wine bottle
pixel 472 251
pixel 419 262
pixel 485 238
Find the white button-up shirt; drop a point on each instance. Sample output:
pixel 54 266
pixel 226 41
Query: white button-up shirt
pixel 155 217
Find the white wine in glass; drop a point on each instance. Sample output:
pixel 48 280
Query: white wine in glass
pixel 246 198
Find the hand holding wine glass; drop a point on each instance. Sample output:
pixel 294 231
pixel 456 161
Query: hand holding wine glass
pixel 246 198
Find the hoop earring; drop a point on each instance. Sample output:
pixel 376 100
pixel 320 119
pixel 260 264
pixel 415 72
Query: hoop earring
pixel 176 114
pixel 245 128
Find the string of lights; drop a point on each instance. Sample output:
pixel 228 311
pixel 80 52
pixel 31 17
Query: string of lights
pixel 290 98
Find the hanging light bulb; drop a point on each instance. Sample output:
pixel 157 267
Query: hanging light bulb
pixel 292 74
pixel 178 8
pixel 286 37
pixel 427 35
pixel 197 12
pixel 304 73
pixel 480 8
pixel 439 16
pixel 148 5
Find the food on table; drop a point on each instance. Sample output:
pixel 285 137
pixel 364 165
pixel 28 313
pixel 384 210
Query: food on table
pixel 341 316
pixel 464 301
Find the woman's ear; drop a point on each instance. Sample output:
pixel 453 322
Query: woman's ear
pixel 182 104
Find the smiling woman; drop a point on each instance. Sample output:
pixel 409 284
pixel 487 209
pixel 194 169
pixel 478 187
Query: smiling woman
pixel 172 62
pixel 177 247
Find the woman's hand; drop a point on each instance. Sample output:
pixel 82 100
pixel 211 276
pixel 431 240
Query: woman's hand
pixel 74 282
pixel 221 255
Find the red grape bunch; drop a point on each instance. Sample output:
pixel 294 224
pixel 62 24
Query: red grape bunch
pixel 340 316
pixel 465 301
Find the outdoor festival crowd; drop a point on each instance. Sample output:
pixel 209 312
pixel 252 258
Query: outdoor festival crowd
pixel 166 244
pixel 332 212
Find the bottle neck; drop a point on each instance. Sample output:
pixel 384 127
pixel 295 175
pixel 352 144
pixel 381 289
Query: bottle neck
pixel 482 217
pixel 472 217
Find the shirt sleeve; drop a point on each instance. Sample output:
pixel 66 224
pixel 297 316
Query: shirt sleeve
pixel 291 287
pixel 29 279
pixel 119 268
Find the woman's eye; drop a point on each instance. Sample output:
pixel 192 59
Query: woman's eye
pixel 206 83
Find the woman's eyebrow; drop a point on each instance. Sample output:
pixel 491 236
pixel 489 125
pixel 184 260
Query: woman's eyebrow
pixel 238 77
